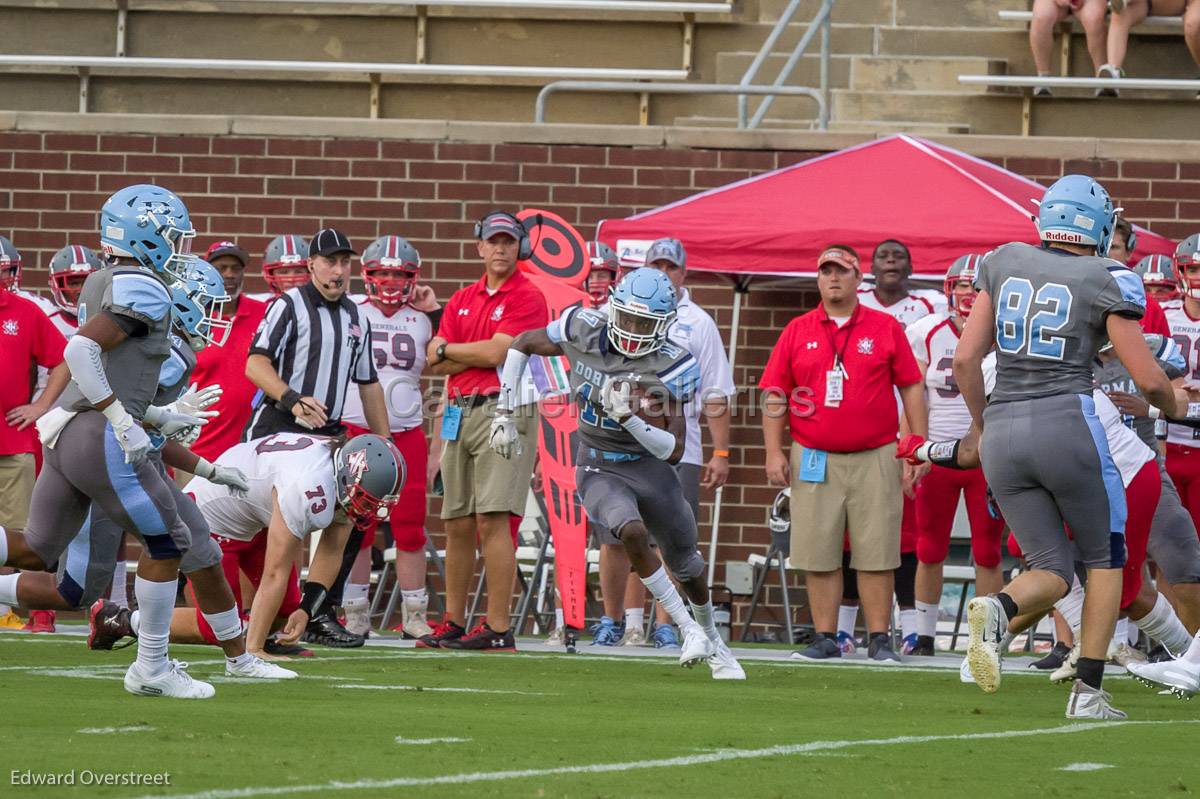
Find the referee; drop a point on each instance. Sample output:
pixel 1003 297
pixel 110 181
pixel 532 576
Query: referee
pixel 311 344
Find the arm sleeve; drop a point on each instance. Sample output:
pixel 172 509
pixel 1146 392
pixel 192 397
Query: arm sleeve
pixel 274 331
pixel 905 371
pixel 364 365
pixel 1122 293
pixel 49 344
pixel 531 313
pixel 777 375
pixel 435 318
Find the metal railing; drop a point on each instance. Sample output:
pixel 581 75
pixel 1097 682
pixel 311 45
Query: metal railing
pixel 646 89
pixel 820 23
pixel 1164 24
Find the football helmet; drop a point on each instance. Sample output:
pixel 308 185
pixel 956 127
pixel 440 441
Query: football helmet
pixel 1158 276
pixel 1077 210
pixel 149 224
pixel 369 473
pixel 780 520
pixel 965 267
pixel 1188 254
pixel 642 307
pixel 197 299
pixel 389 268
pixel 285 263
pixel 10 266
pixel 604 267
pixel 69 269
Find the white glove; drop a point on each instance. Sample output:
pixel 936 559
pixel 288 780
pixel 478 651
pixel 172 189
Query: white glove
pixel 232 477
pixel 132 438
pixel 505 441
pixel 197 401
pixel 170 422
pixel 614 399
pixel 187 436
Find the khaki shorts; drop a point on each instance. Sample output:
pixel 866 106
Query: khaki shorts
pixel 16 487
pixel 861 495
pixel 476 479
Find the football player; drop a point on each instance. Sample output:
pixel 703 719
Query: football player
pixel 624 474
pixel 285 264
pixel 1183 443
pixel 1047 311
pixel 1158 276
pixel 602 275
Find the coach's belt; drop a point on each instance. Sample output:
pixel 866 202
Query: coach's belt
pixel 613 457
pixel 473 400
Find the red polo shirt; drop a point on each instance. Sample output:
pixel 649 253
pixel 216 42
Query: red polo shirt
pixel 227 366
pixel 1155 319
pixel 27 339
pixel 475 315
pixel 876 356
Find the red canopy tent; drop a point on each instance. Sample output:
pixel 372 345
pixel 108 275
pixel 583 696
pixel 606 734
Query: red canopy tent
pixel 940 202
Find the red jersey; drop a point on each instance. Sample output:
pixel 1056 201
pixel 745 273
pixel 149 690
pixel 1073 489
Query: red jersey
pixel 475 315
pixel 28 339
pixel 876 357
pixel 227 366
pixel 1155 319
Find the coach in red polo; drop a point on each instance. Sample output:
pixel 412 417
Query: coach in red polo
pixel 830 382
pixel 483 489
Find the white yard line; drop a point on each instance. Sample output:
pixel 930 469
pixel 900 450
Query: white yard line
pixel 635 765
pixel 111 730
pixel 400 739
pixel 1084 767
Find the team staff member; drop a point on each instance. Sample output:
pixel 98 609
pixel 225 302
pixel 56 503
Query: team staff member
pixel 830 381
pixel 483 489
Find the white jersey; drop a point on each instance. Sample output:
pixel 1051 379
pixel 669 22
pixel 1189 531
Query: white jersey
pixel 298 469
pixel 933 340
pixel 1186 331
pixel 398 345
pixel 67 325
pixel 696 332
pixel 1128 450
pixel 918 304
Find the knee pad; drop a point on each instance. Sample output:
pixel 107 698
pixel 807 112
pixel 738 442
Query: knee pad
pixel 72 593
pixel 687 566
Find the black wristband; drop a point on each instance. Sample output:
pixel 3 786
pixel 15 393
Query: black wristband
pixel 289 400
pixel 312 597
pixel 945 453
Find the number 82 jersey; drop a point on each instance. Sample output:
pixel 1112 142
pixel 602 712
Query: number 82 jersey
pixel 1051 308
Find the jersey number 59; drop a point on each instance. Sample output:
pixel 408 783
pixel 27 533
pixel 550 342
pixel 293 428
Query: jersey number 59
pixel 1025 321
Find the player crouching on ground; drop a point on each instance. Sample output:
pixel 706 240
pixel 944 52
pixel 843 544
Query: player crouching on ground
pixel 294 483
pixel 624 473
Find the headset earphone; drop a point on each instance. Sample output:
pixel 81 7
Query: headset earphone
pixel 524 245
pixel 1131 243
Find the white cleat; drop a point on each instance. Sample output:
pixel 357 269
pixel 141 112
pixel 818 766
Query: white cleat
pixel 555 638
pixel 964 673
pixel 172 681
pixel 987 621
pixel 1125 655
pixel 358 616
pixel 724 665
pixel 634 636
pixel 1068 670
pixel 414 619
pixel 696 647
pixel 258 669
pixel 1088 703
pixel 1180 677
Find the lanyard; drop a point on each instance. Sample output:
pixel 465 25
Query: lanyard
pixel 838 355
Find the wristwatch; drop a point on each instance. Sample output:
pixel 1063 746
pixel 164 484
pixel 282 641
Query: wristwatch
pixel 440 352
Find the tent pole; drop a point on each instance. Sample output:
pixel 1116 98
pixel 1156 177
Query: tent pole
pixel 739 289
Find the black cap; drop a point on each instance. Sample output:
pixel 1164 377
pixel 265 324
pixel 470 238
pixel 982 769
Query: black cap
pixel 329 242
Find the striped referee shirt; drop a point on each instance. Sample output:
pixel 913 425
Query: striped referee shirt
pixel 317 347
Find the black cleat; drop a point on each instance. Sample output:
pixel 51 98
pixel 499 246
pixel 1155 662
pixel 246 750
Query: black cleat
pixel 924 646
pixel 879 648
pixel 484 639
pixel 1159 654
pixel 273 647
pixel 443 632
pixel 1053 659
pixel 109 623
pixel 326 631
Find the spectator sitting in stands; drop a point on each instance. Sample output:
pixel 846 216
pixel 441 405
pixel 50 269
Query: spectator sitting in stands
pixel 1127 13
pixel 1049 13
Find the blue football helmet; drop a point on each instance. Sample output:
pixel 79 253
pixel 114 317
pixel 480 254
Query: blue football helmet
pixel 197 299
pixel 1077 210
pixel 150 224
pixel 640 310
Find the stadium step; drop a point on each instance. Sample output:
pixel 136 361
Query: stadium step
pixel 900 73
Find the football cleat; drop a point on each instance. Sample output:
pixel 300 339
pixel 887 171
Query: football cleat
pixel 108 623
pixel 822 648
pixel 1086 702
pixel 696 646
pixel 634 636
pixel 665 637
pixel 443 631
pixel 173 681
pixel 483 639
pixel 922 648
pixel 414 623
pixel 606 632
pixel 325 630
pixel 1054 658
pixel 724 665
pixel 258 669
pixel 11 621
pixel 846 643
pixel 987 621
pixel 358 617
pixel 1124 655
pixel 1068 670
pixel 273 647
pixel 964 673
pixel 40 621
pixel 555 638
pixel 909 644
pixel 1180 677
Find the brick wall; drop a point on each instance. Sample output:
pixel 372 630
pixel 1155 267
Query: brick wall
pixel 251 188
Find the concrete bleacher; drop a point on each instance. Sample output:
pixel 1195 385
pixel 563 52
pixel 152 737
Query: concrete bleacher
pixel 895 63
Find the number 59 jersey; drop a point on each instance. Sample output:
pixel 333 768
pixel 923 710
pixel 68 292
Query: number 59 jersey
pixel 1050 309
pixel 398 346
pixel 299 468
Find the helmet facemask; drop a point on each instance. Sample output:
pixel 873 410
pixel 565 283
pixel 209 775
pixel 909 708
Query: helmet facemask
pixel 66 287
pixel 390 281
pixel 10 273
pixel 290 271
pixel 1188 286
pixel 636 331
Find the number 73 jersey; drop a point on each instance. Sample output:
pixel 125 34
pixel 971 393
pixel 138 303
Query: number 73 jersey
pixel 398 345
pixel 1051 309
pixel 298 468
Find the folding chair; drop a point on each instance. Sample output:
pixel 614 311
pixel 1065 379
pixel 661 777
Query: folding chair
pixel 389 572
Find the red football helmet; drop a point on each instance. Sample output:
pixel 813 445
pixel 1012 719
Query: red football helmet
pixel 961 300
pixel 390 266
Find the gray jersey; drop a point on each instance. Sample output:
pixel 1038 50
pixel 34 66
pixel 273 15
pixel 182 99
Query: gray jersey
pixel 668 373
pixel 142 305
pixel 1051 308
pixel 1111 375
pixel 175 373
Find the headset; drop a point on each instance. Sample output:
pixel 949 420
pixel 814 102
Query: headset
pixel 524 245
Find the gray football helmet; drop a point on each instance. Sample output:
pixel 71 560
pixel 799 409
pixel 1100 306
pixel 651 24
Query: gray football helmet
pixel 285 263
pixel 369 473
pixel 69 268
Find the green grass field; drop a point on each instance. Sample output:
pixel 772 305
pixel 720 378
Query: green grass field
pixel 554 725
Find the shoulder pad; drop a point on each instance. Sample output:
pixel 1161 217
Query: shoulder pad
pixel 141 293
pixel 682 378
pixel 1130 284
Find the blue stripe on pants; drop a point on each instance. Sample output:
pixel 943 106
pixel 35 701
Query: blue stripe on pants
pixel 138 505
pixel 79 553
pixel 1114 487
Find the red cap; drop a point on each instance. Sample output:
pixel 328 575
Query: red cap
pixel 836 255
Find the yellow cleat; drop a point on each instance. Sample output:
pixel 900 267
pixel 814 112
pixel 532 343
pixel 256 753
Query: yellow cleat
pixel 11 621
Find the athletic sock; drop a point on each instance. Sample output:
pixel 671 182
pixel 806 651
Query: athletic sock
pixel 156 601
pixel 1009 605
pixel 635 618
pixel 558 618
pixel 908 622
pixel 1192 655
pixel 660 585
pixel 1164 626
pixel 225 625
pixel 704 617
pixel 927 618
pixel 241 660
pixel 119 593
pixel 1120 633
pixel 1134 634
pixel 8 591
pixel 847 619
pixel 417 597
pixel 1071 606
pixel 355 591
pixel 135 621
pixel 1090 671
